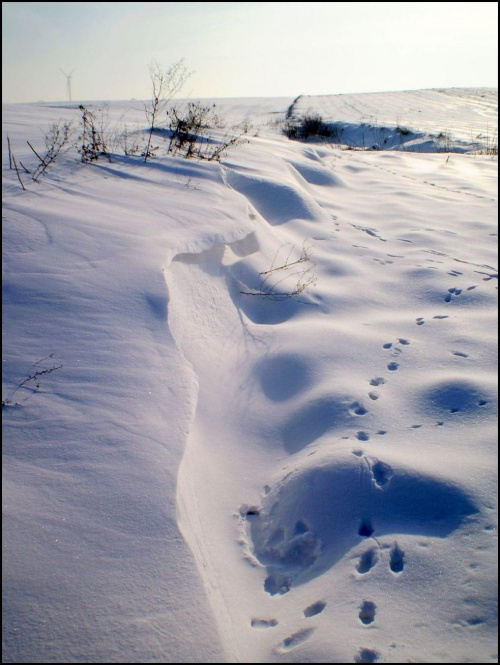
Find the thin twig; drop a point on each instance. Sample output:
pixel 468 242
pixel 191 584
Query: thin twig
pixel 42 160
pixel 45 371
pixel 42 360
pixel 10 153
pixel 300 277
pixel 17 171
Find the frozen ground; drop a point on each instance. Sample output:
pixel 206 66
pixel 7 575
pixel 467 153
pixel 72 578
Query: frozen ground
pixel 222 471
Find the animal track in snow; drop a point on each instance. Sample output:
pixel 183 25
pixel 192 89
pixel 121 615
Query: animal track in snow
pixel 393 366
pixel 452 292
pixel 489 275
pixel 366 656
pixel 362 436
pixel 276 583
pixel 315 608
pixel 378 381
pixel 401 340
pixel 367 561
pixel 366 529
pixel 358 409
pixel 381 472
pixel 420 321
pixel 397 561
pixel 441 316
pixel 367 612
pixel 263 623
pixel 294 640
pixel 371 232
pixel 461 354
pixel 373 395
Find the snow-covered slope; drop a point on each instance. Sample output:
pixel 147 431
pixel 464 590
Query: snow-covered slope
pixel 273 434
pixel 450 119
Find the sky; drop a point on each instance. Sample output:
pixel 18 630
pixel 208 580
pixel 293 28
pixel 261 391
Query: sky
pixel 245 49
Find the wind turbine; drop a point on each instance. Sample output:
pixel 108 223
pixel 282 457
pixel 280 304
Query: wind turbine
pixel 68 83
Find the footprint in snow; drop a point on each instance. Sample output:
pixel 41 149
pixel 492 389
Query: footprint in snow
pixel 397 560
pixel 315 608
pixel 358 409
pixel 392 367
pixel 365 529
pixel 365 655
pixel 367 612
pixel 294 640
pixel 451 293
pixel 367 561
pixel 263 623
pixel 381 472
pixel 401 340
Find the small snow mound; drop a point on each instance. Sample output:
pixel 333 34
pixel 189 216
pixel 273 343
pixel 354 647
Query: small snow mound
pixel 278 202
pixel 456 395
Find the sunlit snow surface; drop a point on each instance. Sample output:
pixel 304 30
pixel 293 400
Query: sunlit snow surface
pixel 222 473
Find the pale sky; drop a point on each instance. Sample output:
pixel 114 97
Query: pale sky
pixel 246 49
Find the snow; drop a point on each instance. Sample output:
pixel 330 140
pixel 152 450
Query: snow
pixel 222 471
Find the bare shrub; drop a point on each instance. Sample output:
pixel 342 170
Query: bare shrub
pixel 188 125
pixel 310 125
pixel 93 137
pixel 191 136
pixel 489 143
pixel 164 86
pixel 57 139
pixel 129 141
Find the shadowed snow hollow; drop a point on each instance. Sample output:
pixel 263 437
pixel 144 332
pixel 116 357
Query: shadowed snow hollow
pixel 317 513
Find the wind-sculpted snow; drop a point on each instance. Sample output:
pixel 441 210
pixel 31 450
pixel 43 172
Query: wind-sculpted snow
pixel 276 201
pixel 273 437
pixel 330 402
